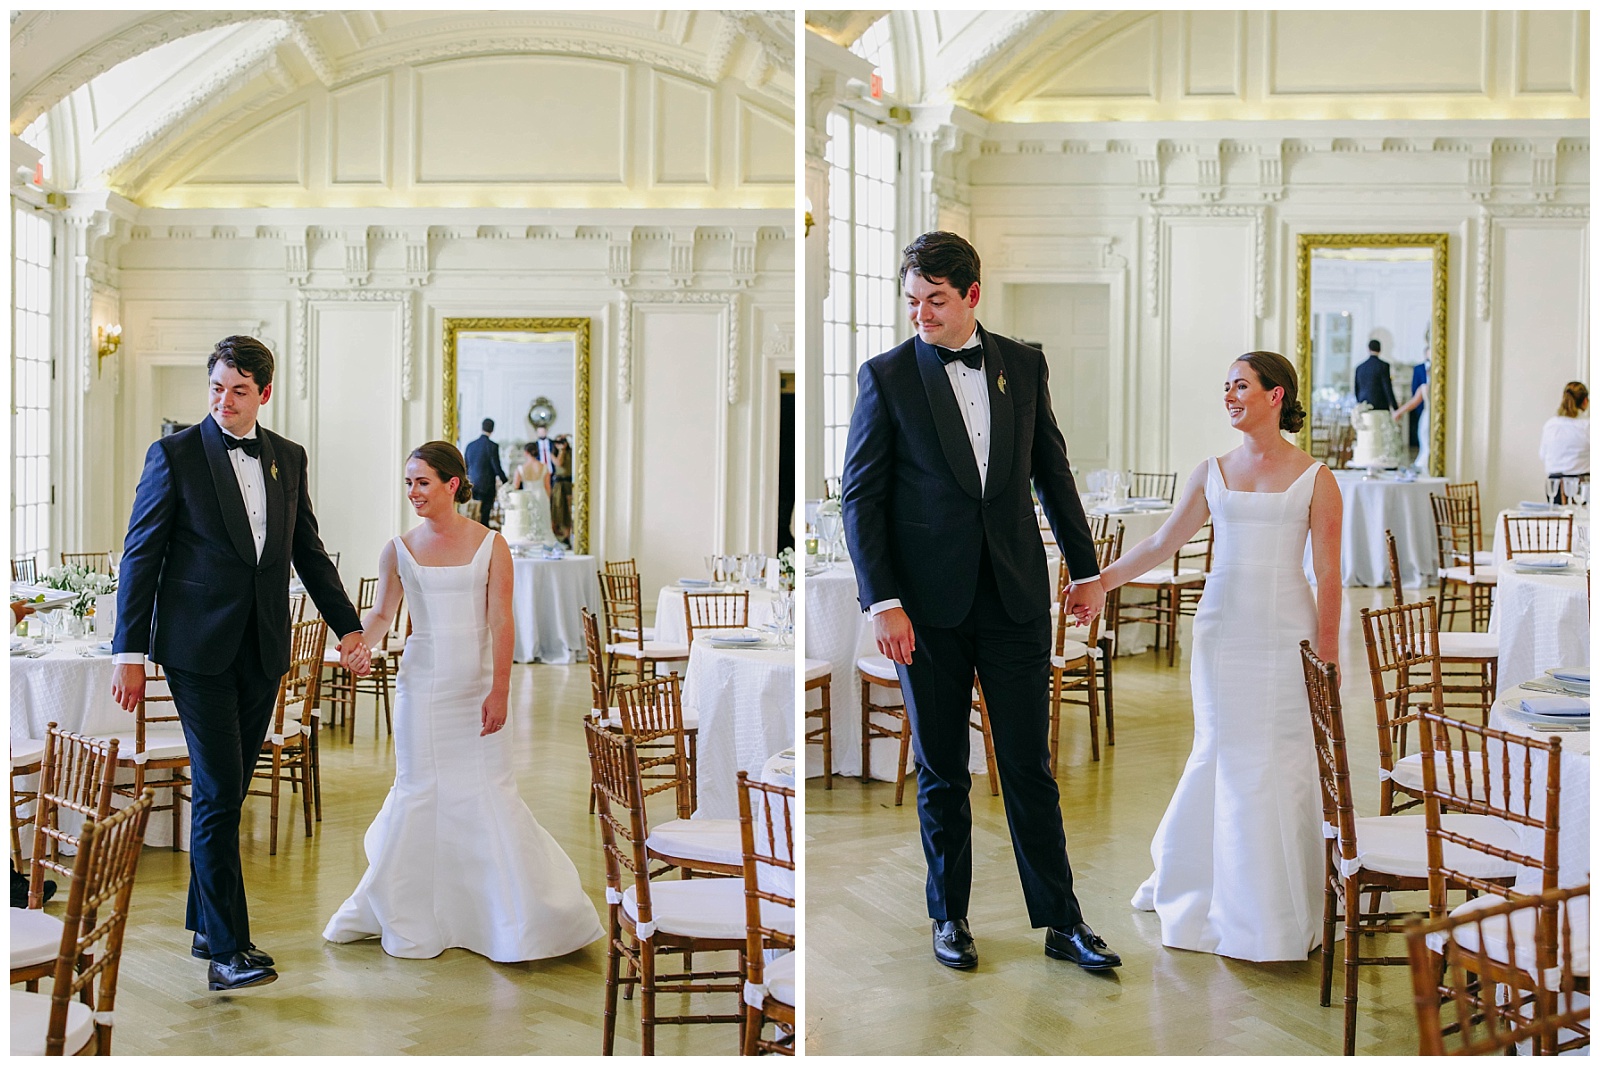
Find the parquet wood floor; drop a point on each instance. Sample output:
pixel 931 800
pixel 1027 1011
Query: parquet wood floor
pixel 872 987
pixel 334 999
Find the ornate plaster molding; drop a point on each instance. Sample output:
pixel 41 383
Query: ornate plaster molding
pixel 406 298
pixel 1155 235
pixel 630 297
pixel 1483 251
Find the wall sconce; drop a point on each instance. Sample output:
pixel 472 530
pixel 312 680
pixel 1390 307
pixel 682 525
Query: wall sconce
pixel 108 340
pixel 809 221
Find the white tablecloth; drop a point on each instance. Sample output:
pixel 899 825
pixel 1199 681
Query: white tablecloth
pixel 1372 506
pixel 745 702
pixel 75 693
pixel 546 598
pixel 1574 848
pixel 671 626
pixel 839 632
pixel 779 770
pixel 1580 517
pixel 1542 621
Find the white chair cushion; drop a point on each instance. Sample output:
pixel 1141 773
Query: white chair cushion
pixel 330 657
pixel 35 937
pixel 817 668
pixel 30 1022
pixel 1398 845
pixel 653 649
pixel 704 839
pixel 632 634
pixel 1407 773
pixel 26 752
pixel 1072 652
pixel 1461 574
pixel 160 742
pixel 611 719
pixel 1469 645
pixel 878 666
pixel 1522 932
pixel 708 907
pixel 1483 559
pixel 1167 577
pixel 1081 635
pixel 779 975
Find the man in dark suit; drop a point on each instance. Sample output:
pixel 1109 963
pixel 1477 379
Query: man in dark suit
pixel 221 511
pixel 1373 384
pixel 484 470
pixel 949 431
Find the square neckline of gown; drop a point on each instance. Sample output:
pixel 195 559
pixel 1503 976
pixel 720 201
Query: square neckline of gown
pixel 454 566
pixel 1249 492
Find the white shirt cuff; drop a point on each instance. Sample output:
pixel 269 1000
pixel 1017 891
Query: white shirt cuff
pixel 128 658
pixel 882 605
pixel 1085 580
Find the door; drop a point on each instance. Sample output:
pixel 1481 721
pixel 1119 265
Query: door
pixel 1072 323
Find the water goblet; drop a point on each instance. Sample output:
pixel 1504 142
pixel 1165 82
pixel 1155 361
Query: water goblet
pixel 829 526
pixel 1583 493
pixel 1552 489
pixel 755 568
pixel 1569 491
pixel 712 565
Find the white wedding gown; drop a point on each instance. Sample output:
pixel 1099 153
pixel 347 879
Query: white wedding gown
pixel 1238 854
pixel 455 858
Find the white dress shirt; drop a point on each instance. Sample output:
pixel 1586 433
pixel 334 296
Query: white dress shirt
pixel 1564 445
pixel 253 487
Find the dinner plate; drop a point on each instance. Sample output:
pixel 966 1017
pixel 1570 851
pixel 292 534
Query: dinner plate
pixel 1554 706
pixel 733 636
pixel 1150 501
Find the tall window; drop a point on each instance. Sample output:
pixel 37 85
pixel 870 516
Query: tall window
pixel 30 384
pixel 861 313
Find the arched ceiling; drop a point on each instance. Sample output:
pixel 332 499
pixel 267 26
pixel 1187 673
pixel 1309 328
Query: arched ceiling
pixel 134 93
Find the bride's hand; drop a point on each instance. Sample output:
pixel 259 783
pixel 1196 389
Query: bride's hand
pixel 494 714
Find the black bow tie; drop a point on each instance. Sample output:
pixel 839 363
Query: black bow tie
pixel 973 357
pixel 251 446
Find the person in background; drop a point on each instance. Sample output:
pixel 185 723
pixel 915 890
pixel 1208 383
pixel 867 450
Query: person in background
pixel 484 470
pixel 1564 445
pixel 1373 385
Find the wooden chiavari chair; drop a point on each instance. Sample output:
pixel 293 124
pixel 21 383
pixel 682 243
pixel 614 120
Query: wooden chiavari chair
pixel 1540 943
pixel 626 641
pixel 1372 855
pixel 157 743
pixel 25 568
pixel 628 568
pixel 766 830
pixel 1176 590
pixel 1462 576
pixel 1099 524
pixel 819 679
pixel 1072 663
pixel 1152 486
pixel 979 719
pixel 1468 490
pixel 99 562
pixel 291 746
pixel 96 919
pixel 1543 534
pixel 1493 774
pixel 340 689
pixel 27 759
pixel 1470 661
pixel 878 671
pixel 77 776
pixel 1097 638
pixel 715 610
pixel 649 920
pixel 652 716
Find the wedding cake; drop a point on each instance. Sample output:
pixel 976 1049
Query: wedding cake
pixel 526 517
pixel 1377 440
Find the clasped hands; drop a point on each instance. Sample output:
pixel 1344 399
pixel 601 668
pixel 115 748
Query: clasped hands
pixel 354 655
pixel 1085 599
pixel 127 680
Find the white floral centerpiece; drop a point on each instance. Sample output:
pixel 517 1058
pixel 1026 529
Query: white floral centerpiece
pixel 87 583
pixel 786 569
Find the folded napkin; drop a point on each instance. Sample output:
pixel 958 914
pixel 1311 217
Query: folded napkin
pixel 1561 673
pixel 1556 706
pixel 694 582
pixel 1535 505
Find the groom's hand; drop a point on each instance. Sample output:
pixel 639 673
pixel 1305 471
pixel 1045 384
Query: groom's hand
pixel 895 637
pixel 354 655
pixel 127 685
pixel 1085 599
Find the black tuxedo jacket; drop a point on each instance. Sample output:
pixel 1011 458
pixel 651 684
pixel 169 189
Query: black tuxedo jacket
pixel 483 466
pixel 1373 384
pixel 189 576
pixel 915 516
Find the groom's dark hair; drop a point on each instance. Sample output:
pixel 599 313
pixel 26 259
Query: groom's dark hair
pixel 941 256
pixel 246 355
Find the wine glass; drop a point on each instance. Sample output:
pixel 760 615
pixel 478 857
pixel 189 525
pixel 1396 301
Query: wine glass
pixel 829 526
pixel 783 617
pixel 1583 493
pixel 1552 488
pixel 755 568
pixel 712 564
pixel 1569 491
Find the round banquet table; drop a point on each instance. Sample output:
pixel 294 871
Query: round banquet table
pixel 838 631
pixel 671 626
pixel 546 598
pixel 744 698
pixel 74 691
pixel 1573 856
pixel 1542 621
pixel 1372 505
pixel 778 770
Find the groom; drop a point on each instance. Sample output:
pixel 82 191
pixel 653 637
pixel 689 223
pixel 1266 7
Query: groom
pixel 221 511
pixel 949 431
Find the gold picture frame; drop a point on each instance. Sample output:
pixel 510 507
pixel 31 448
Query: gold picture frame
pixel 580 329
pixel 1438 337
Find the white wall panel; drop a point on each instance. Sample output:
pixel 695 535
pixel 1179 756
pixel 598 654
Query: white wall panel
pixel 273 153
pixel 1349 53
pixel 766 147
pixel 1208 325
pixel 358 127
pixel 683 131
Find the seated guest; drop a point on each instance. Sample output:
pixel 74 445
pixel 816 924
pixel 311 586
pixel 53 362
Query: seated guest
pixel 1564 445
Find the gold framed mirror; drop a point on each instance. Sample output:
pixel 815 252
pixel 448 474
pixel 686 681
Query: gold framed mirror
pixel 1353 288
pixel 524 373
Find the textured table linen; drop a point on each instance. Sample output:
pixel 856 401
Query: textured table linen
pixel 745 702
pixel 546 598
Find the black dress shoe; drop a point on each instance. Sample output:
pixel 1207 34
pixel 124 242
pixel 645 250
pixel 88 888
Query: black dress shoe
pixel 202 950
pixel 229 972
pixel 1080 945
pixel 953 946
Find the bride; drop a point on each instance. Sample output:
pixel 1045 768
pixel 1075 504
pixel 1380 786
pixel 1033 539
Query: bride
pixel 1239 853
pixel 455 858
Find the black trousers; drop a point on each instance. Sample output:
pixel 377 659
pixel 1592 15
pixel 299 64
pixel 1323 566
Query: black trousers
pixel 1012 662
pixel 486 505
pixel 225 718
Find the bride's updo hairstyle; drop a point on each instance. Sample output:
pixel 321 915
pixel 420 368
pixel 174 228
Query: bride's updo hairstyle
pixel 446 461
pixel 1275 372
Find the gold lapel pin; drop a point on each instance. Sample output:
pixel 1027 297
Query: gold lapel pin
pixel 1002 384
pixel 275 465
